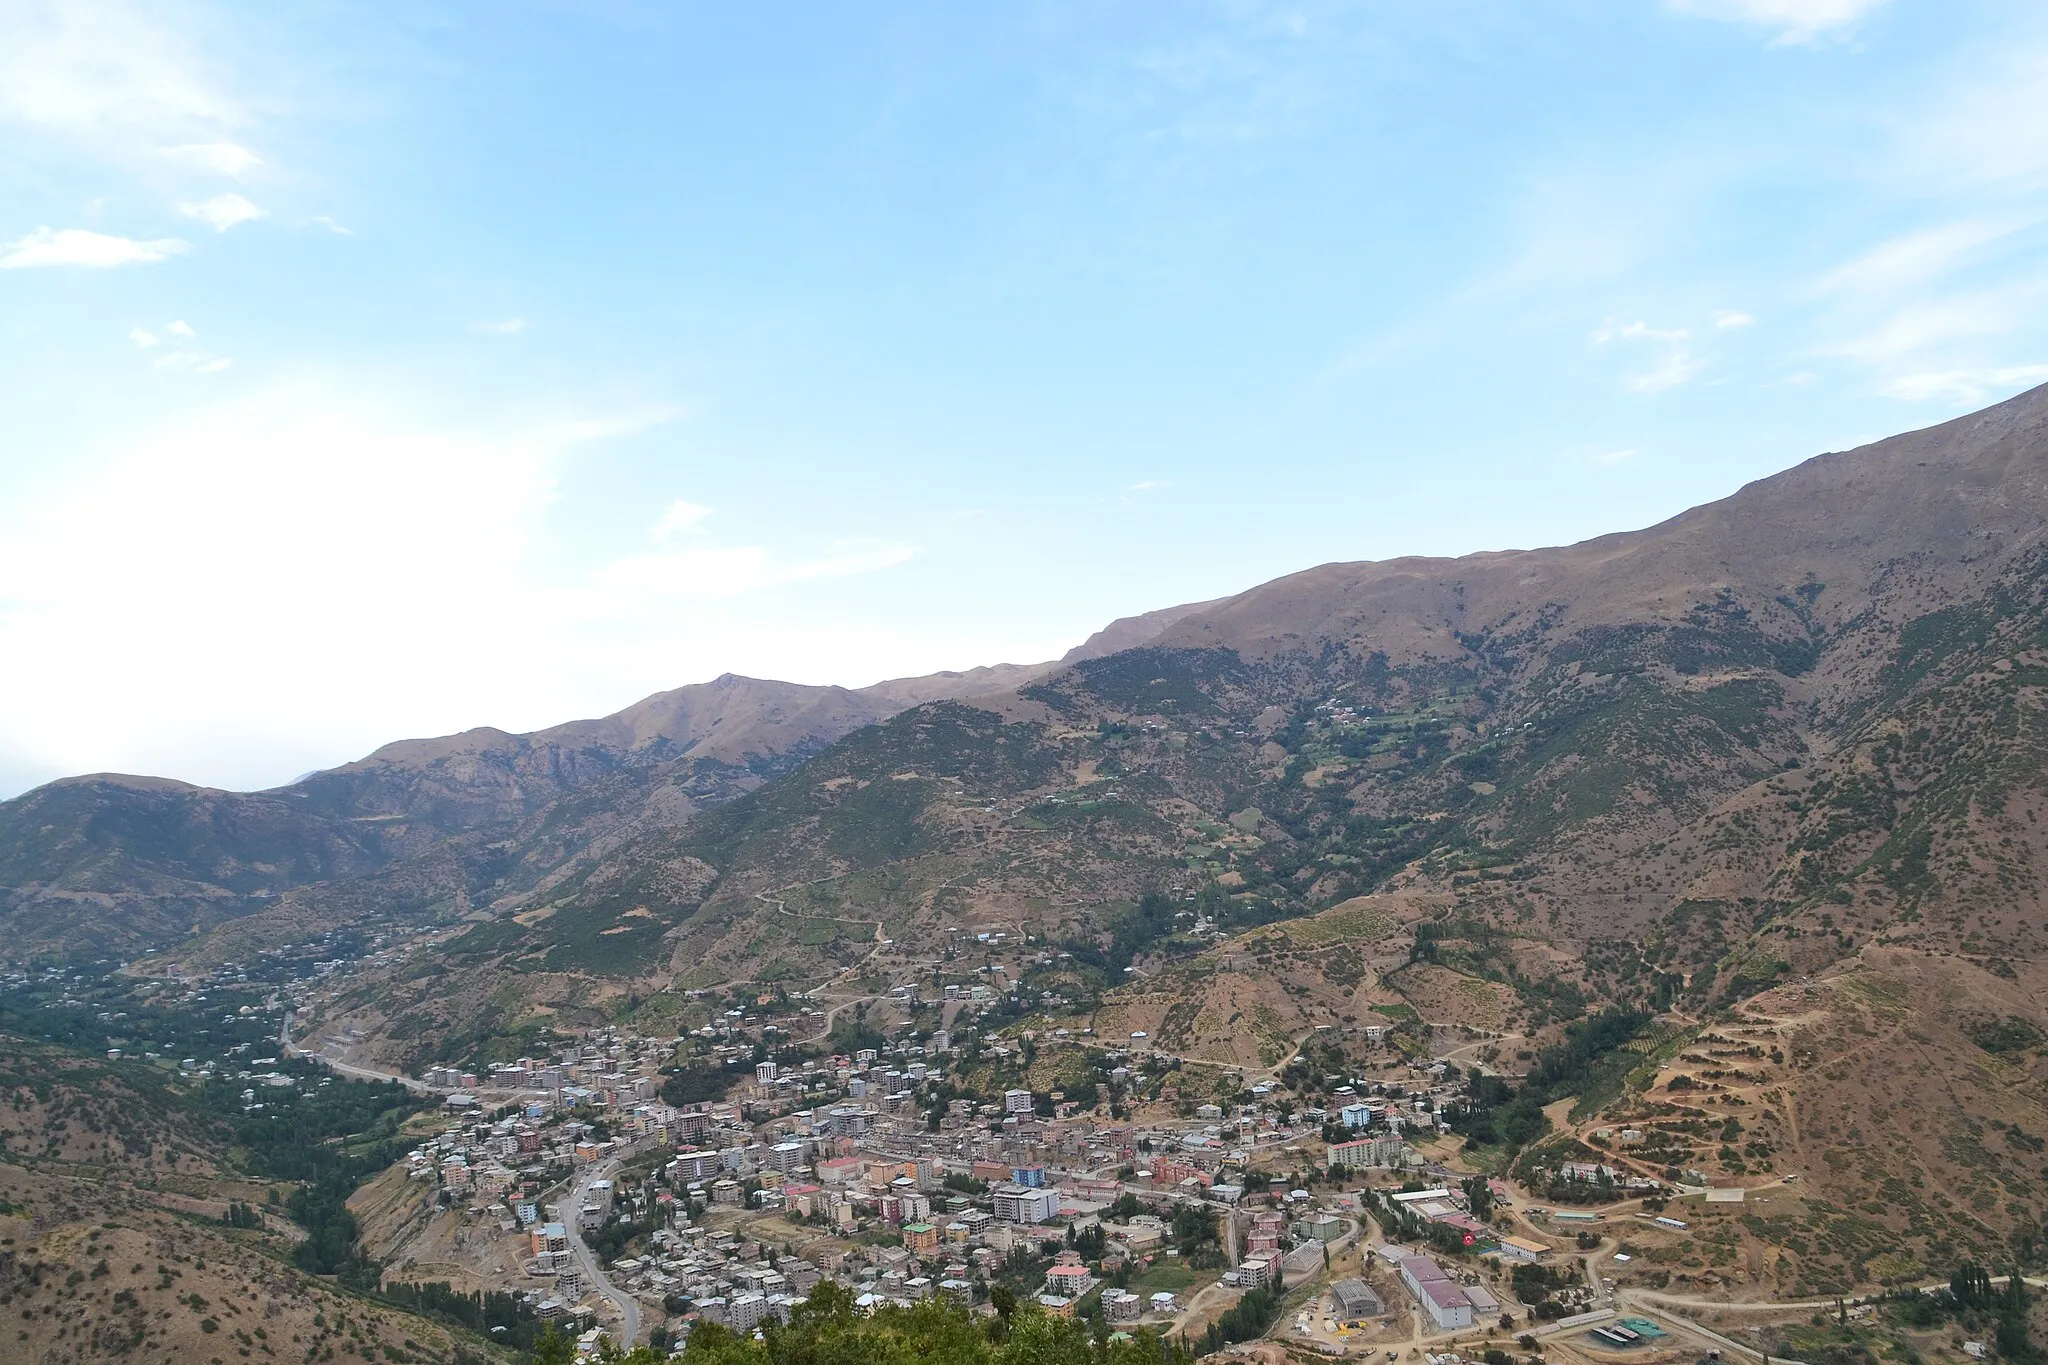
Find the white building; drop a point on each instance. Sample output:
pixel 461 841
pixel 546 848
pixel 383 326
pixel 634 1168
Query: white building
pixel 1023 1204
pixel 1439 1295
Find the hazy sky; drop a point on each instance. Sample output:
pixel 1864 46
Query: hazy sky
pixel 379 370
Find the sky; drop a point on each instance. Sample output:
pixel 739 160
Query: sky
pixel 370 371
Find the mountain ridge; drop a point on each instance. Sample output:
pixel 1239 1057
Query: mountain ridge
pixel 152 859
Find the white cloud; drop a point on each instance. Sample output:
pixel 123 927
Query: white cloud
pixel 1729 317
pixel 1796 21
pixel 192 362
pixel 1678 368
pixel 184 356
pixel 1987 128
pixel 1636 331
pixel 318 514
pixel 1916 258
pixel 222 158
pixel 612 426
pixel 80 246
pixel 223 211
pixel 712 572
pixel 96 68
pixel 337 229
pixel 682 518
pixel 331 509
pixel 1919 326
pixel 1962 386
pixel 509 327
pixel 1612 457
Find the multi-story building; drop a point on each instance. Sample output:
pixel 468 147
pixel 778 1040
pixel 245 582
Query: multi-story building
pixel 689 1166
pixel 1267 1230
pixel 1371 1153
pixel 1069 1277
pixel 1257 1271
pixel 1021 1204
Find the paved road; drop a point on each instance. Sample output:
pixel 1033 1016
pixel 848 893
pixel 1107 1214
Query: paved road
pixel 364 1073
pixel 628 1306
pixel 291 1049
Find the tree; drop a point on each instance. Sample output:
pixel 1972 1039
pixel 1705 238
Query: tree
pixel 552 1348
pixel 2012 1321
pixel 1970 1285
pixel 1479 1195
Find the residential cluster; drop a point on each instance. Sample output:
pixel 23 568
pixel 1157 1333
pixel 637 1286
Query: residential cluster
pixel 910 1197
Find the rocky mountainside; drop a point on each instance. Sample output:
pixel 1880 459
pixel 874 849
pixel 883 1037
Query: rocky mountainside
pixel 1554 712
pixel 1782 754
pixel 112 860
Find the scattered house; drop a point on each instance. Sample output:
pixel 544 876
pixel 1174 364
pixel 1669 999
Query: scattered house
pixel 1325 1228
pixel 1121 1305
pixel 1523 1249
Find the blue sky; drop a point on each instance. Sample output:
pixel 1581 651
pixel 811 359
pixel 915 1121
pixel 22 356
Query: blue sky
pixel 385 370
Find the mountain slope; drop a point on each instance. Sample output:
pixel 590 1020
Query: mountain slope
pixel 1601 696
pixel 122 861
pixel 1682 768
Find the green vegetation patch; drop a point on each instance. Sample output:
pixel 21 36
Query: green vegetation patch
pixel 2010 1034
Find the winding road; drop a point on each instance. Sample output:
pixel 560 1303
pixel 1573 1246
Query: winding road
pixel 361 1073
pixel 628 1306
